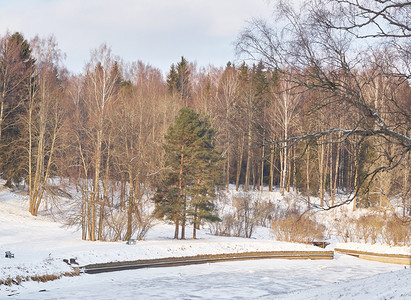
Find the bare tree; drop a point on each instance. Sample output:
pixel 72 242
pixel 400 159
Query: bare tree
pixel 224 114
pixel 326 56
pixel 283 113
pixel 137 124
pixel 45 118
pixel 101 84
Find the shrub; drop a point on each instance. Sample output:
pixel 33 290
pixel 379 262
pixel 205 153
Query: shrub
pixel 228 226
pixel 369 228
pixel 294 227
pixel 241 219
pixel 116 224
pixel 377 224
pixel 396 233
pixel 344 228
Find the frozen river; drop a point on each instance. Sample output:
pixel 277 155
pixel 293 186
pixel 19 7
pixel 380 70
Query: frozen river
pixel 228 280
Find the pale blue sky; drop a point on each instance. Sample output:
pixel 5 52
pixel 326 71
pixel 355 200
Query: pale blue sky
pixel 158 32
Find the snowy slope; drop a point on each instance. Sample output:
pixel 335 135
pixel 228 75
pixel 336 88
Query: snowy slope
pixel 41 243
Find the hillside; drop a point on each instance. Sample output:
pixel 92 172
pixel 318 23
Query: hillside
pixel 40 244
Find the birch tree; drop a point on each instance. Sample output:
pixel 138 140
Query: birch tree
pixel 283 113
pixel 45 118
pixel 101 84
pixel 224 113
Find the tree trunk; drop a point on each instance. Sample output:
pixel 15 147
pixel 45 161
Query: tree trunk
pixel 123 184
pixel 239 162
pixel 30 146
pixel 195 222
pixel 249 155
pixel 337 166
pixel 289 171
pixel 308 176
pixel 96 185
pixel 262 166
pixel 282 170
pixel 228 167
pixel 321 171
pixel 46 170
pixel 405 187
pixel 354 202
pixel 294 171
pixel 184 216
pixel 1 111
pixel 131 203
pixel 180 194
pixel 84 194
pixel 176 228
pixel 271 168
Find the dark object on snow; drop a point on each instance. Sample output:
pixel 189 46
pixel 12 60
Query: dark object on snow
pixel 70 261
pixel 9 254
pixel 131 242
pixel 321 244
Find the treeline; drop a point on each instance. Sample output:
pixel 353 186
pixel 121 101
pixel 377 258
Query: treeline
pixel 104 130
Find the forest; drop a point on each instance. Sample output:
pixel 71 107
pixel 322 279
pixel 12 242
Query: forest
pixel 306 108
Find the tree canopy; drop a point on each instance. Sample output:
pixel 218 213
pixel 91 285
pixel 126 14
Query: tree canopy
pixel 189 186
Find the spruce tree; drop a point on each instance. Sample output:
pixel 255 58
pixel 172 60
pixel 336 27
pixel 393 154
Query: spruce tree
pixel 172 79
pixel 188 188
pixel 178 80
pixel 183 83
pixel 16 83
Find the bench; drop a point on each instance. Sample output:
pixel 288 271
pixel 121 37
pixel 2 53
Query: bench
pixel 70 261
pixel 321 244
pixel 9 254
pixel 131 242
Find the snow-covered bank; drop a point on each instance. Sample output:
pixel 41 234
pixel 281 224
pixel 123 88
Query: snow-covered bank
pixel 375 248
pixel 41 243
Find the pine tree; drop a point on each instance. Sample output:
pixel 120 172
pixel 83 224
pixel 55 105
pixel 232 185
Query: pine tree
pixel 188 188
pixel 208 175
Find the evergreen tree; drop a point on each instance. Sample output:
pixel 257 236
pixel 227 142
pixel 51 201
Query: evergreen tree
pixel 261 84
pixel 172 79
pixel 178 80
pixel 188 189
pixel 16 84
pixel 183 83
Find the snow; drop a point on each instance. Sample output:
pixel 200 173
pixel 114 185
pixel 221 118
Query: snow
pixel 392 285
pixel 41 243
pixel 267 279
pixel 375 248
pixel 35 240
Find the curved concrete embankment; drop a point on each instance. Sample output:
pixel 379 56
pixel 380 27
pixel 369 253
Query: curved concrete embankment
pixel 401 259
pixel 202 259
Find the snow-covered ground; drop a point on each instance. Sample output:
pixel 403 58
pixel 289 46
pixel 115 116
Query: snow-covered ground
pixel 374 248
pixel 41 243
